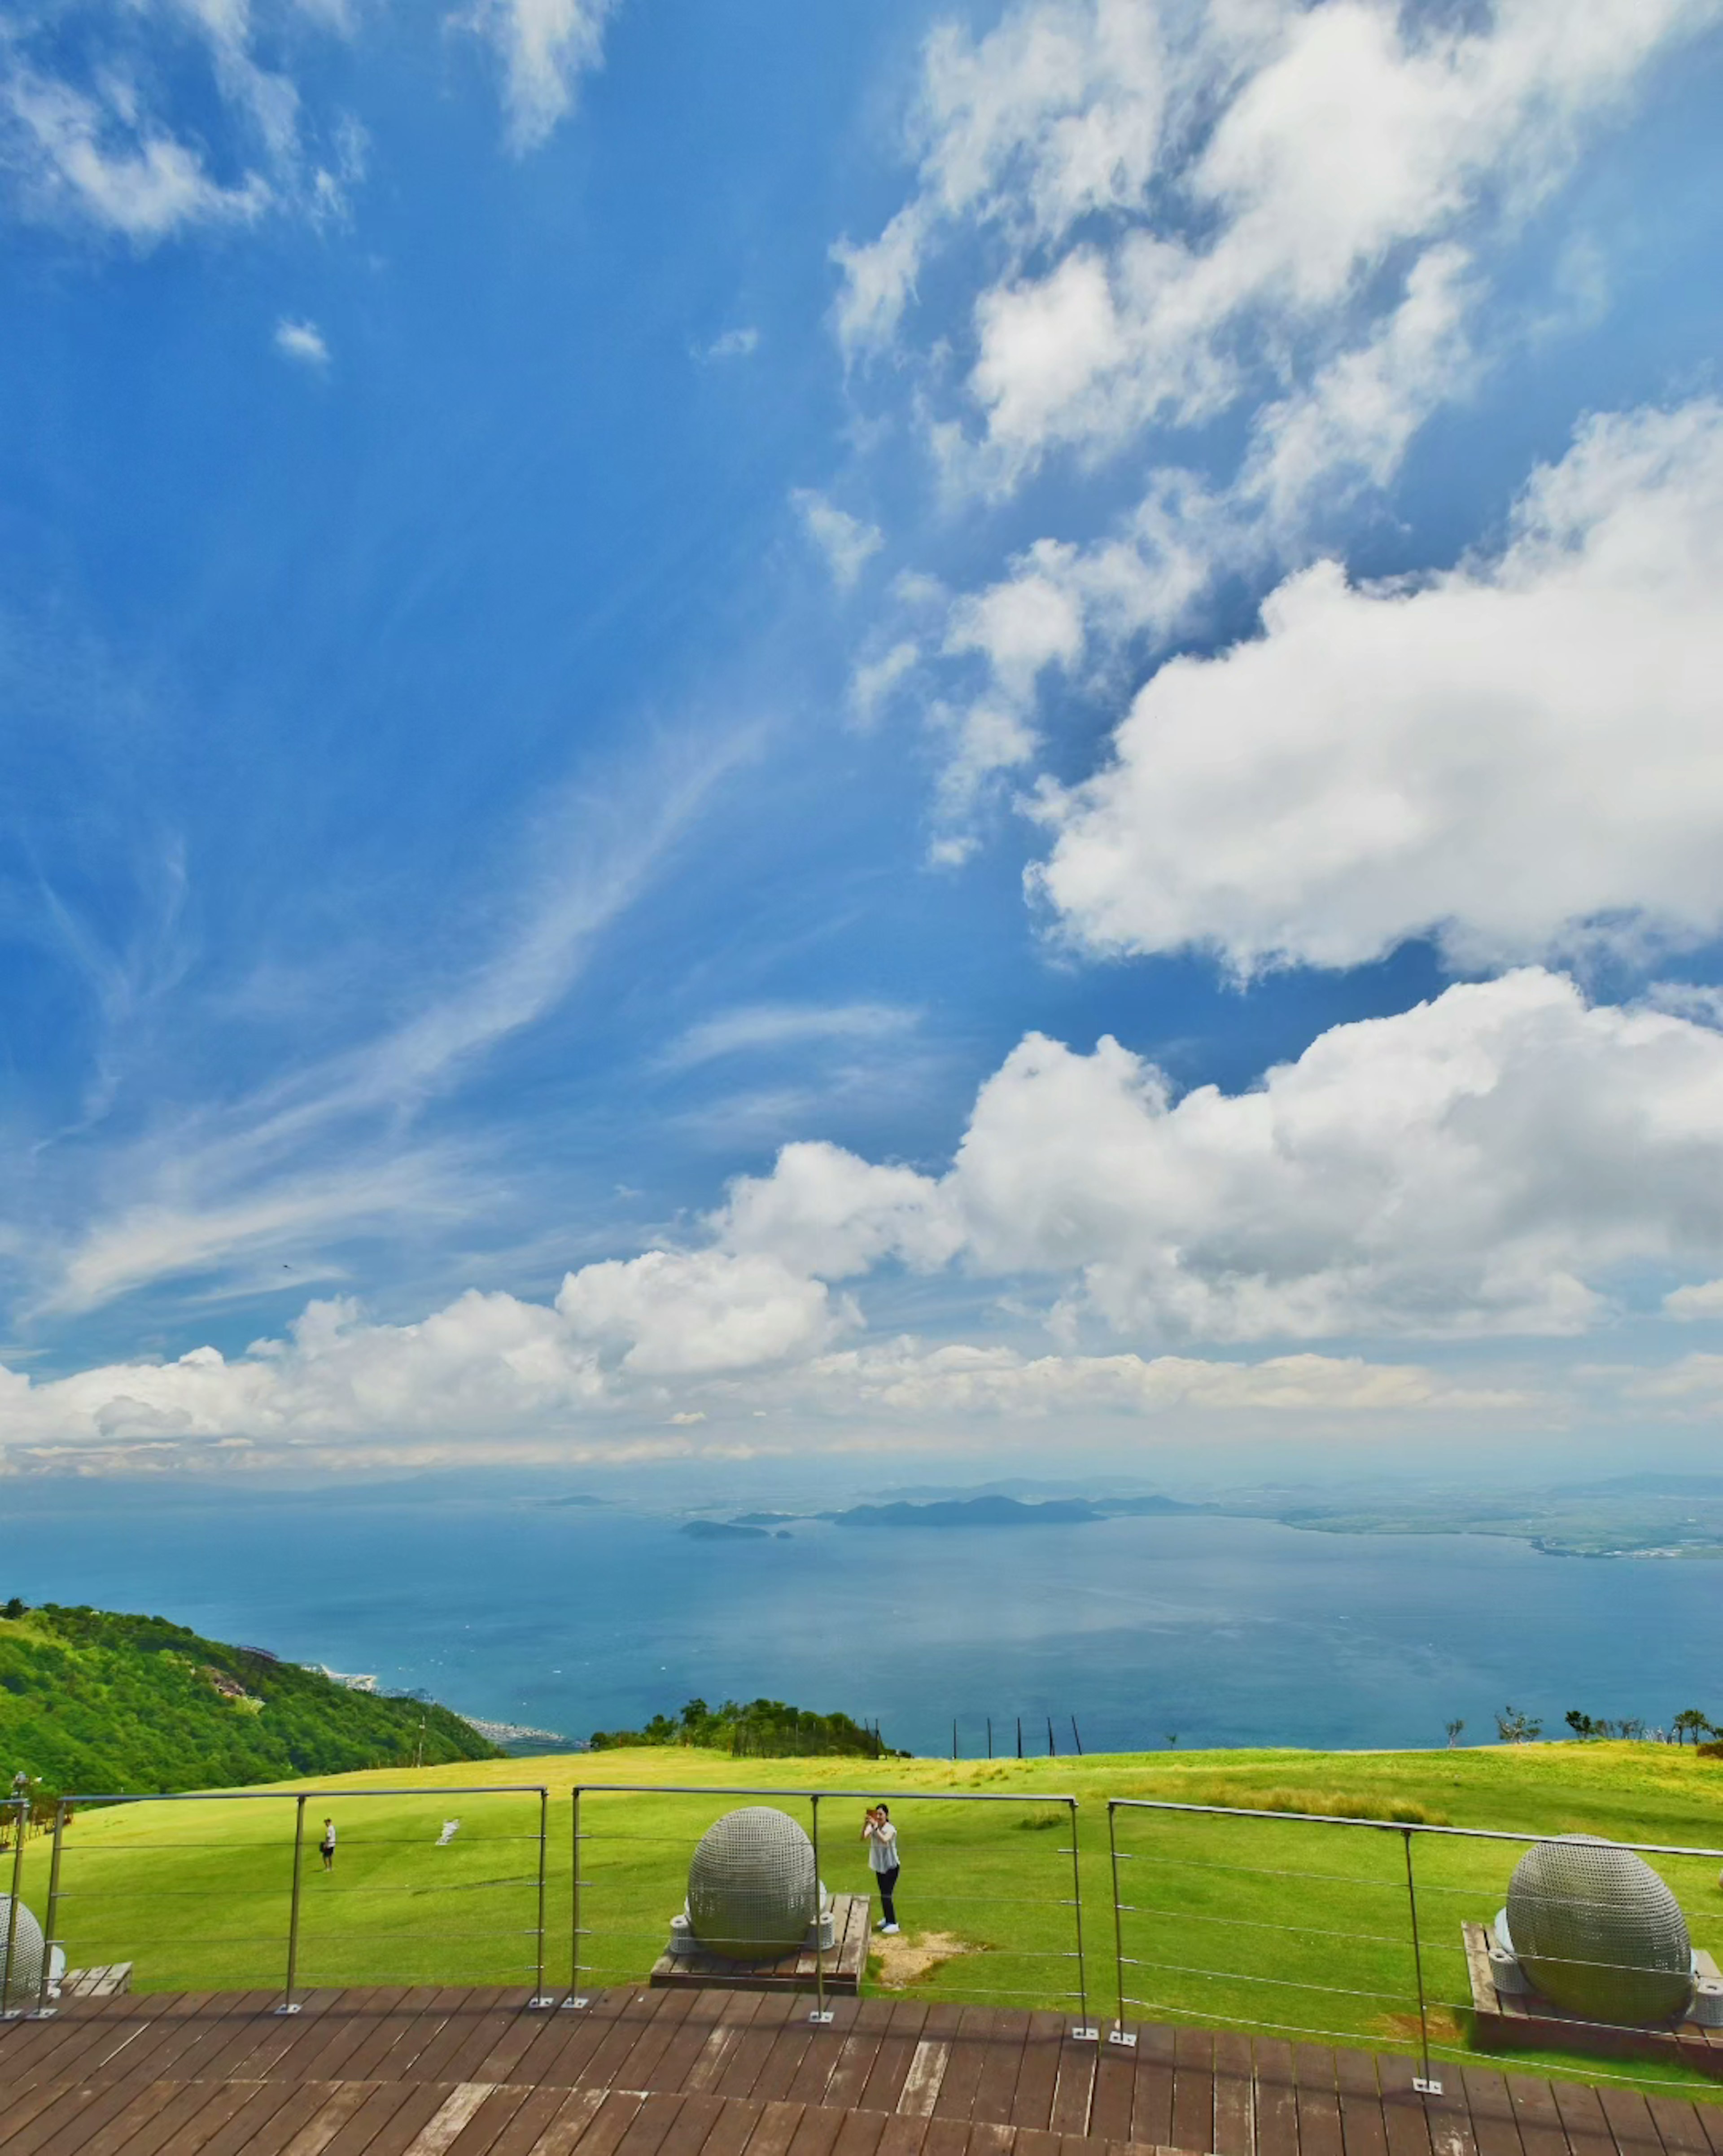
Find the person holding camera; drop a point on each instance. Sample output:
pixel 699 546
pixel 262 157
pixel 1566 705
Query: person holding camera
pixel 881 1837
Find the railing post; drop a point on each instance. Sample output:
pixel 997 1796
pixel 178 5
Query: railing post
pixel 1120 2033
pixel 821 2012
pixel 51 1924
pixel 7 2011
pixel 574 1998
pixel 1421 2082
pixel 1086 2031
pixel 538 1998
pixel 290 2004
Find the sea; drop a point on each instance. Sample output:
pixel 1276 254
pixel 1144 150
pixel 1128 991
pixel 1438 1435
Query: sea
pixel 1114 1635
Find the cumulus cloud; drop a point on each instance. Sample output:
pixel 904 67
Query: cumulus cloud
pixel 109 147
pixel 1487 1162
pixel 671 1313
pixel 303 342
pixel 1290 216
pixel 1507 756
pixel 621 1345
pixel 544 46
pixel 847 543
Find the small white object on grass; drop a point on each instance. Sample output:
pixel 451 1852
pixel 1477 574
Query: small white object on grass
pixel 450 1828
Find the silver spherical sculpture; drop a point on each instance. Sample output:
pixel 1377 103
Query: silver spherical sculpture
pixel 1598 1933
pixel 751 1889
pixel 23 1979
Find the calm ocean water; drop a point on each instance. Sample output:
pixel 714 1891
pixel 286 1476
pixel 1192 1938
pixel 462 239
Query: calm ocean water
pixel 1223 1632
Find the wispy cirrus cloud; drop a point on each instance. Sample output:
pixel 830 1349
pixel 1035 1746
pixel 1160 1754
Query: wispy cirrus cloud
pixel 330 1149
pixel 770 1028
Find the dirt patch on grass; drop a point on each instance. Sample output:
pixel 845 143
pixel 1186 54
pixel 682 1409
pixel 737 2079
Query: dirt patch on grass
pixel 904 1960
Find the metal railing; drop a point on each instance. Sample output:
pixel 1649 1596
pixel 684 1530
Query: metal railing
pixel 1349 1930
pixel 1061 1807
pixel 396 1902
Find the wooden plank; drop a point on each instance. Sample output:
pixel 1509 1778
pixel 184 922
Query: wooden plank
pixel 1276 2099
pixel 1363 2131
pixel 818 2133
pixel 772 2132
pixel 660 2020
pixel 650 2125
pixel 994 2103
pixel 387 2120
pixel 926 2070
pixel 500 2109
pixel 1628 2116
pixel 1075 2087
pixel 812 2078
pixel 618 2038
pixel 1193 2089
pixel 703 2076
pixel 898 2041
pixel 559 2052
pixel 251 2128
pixel 734 2127
pixel 501 2013
pixel 902 2136
pixel 72 2117
pixel 1495 2127
pixel 1037 2070
pixel 1541 2133
pixel 1582 2119
pixel 594 2128
pixel 970 2038
pixel 857 2053
pixel 792 2040
pixel 945 2137
pixel 1151 2084
pixel 1405 2119
pixel 746 2059
pixel 1318 2128
pixel 538 2109
pixel 694 2122
pixel 142 2102
pixel 1234 2095
pixel 860 2133
pixel 1115 2098
pixel 1679 2126
pixel 688 2038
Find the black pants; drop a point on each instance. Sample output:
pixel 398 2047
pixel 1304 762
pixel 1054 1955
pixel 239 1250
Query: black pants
pixel 887 1887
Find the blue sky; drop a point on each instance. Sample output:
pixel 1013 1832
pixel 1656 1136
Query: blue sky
pixel 764 729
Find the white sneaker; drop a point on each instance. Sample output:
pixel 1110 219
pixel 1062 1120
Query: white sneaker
pixel 886 1929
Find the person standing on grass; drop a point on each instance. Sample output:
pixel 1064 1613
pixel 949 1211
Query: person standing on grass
pixel 881 1837
pixel 325 1848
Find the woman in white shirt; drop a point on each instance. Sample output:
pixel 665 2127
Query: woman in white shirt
pixel 881 1837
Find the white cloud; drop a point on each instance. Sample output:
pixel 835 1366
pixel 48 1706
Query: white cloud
pixel 847 543
pixel 774 1027
pixel 1503 755
pixel 734 344
pixel 674 1313
pixel 545 47
pixel 303 342
pixel 1487 1162
pixel 904 1376
pixel 329 1146
pixel 103 161
pixel 520 1379
pixel 1151 217
pixel 1702 1300
pixel 875 681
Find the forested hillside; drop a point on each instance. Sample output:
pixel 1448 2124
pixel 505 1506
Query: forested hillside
pixel 93 1702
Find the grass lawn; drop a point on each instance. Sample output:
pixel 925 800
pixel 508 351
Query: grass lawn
pixel 1269 1923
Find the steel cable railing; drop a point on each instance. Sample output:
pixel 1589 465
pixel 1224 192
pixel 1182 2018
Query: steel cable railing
pixel 601 1874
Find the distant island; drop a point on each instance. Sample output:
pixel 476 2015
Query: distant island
pixel 996 1512
pixel 723 1531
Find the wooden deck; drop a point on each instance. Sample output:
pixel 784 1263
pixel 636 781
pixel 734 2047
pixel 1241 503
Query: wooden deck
pixel 724 2073
pixel 844 1962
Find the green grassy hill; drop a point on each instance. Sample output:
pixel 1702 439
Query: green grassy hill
pixel 96 1702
